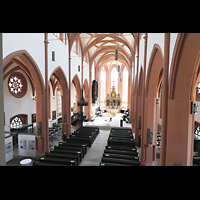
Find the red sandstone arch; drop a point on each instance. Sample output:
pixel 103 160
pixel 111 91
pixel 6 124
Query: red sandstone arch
pixel 117 38
pixel 184 74
pixel 89 44
pixel 77 86
pixel 21 66
pixel 150 120
pixel 60 76
pixel 121 51
pixel 110 57
pixel 42 144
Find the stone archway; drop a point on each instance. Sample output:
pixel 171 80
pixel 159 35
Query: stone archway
pixel 77 86
pixel 66 114
pixel 42 142
pixel 184 75
pixel 154 76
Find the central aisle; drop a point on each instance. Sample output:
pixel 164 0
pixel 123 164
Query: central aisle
pixel 94 153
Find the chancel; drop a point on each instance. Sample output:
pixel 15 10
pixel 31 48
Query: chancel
pixel 122 99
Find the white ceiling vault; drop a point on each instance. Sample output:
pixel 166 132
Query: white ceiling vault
pixel 101 46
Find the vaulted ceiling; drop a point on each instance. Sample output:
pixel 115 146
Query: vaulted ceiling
pixel 101 46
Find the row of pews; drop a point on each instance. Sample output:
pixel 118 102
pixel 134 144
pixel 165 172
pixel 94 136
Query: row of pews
pixel 120 149
pixel 72 151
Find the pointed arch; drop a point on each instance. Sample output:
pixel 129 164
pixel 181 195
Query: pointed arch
pixel 60 76
pixel 42 143
pixel 154 68
pixel 184 74
pixel 151 107
pixel 77 86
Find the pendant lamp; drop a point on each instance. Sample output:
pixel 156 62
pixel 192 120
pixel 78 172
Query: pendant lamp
pixel 116 54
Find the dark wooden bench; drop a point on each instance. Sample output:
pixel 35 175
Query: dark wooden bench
pixel 80 140
pixel 67 162
pixel 71 148
pixel 63 156
pixel 121 142
pixel 74 145
pixel 120 156
pixel 73 152
pixel 111 164
pixel 38 163
pixel 133 153
pixel 125 148
pixel 120 161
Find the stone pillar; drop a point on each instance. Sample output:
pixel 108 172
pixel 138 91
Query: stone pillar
pixel 69 99
pixel 136 111
pixel 144 132
pixel 46 93
pixel 90 93
pixel 42 137
pixel 165 99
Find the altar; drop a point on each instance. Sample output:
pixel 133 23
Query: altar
pixel 113 101
pixel 113 111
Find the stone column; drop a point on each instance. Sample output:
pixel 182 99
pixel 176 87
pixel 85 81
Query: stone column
pixel 165 99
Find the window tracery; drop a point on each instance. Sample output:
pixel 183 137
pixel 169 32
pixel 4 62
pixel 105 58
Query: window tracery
pixel 17 84
pixel 16 122
pixel 114 78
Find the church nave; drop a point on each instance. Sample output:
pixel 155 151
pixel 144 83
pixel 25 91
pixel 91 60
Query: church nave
pixel 53 85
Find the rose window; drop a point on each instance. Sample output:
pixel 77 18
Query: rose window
pixel 17 84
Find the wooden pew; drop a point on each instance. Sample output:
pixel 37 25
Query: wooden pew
pixel 120 161
pixel 66 162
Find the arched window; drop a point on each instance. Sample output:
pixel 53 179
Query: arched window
pixel 125 86
pixel 16 122
pixel 75 47
pixel 103 85
pixel 114 78
pixel 59 101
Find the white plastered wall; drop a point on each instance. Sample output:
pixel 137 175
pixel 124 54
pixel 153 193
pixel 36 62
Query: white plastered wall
pixel 13 106
pixel 33 43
